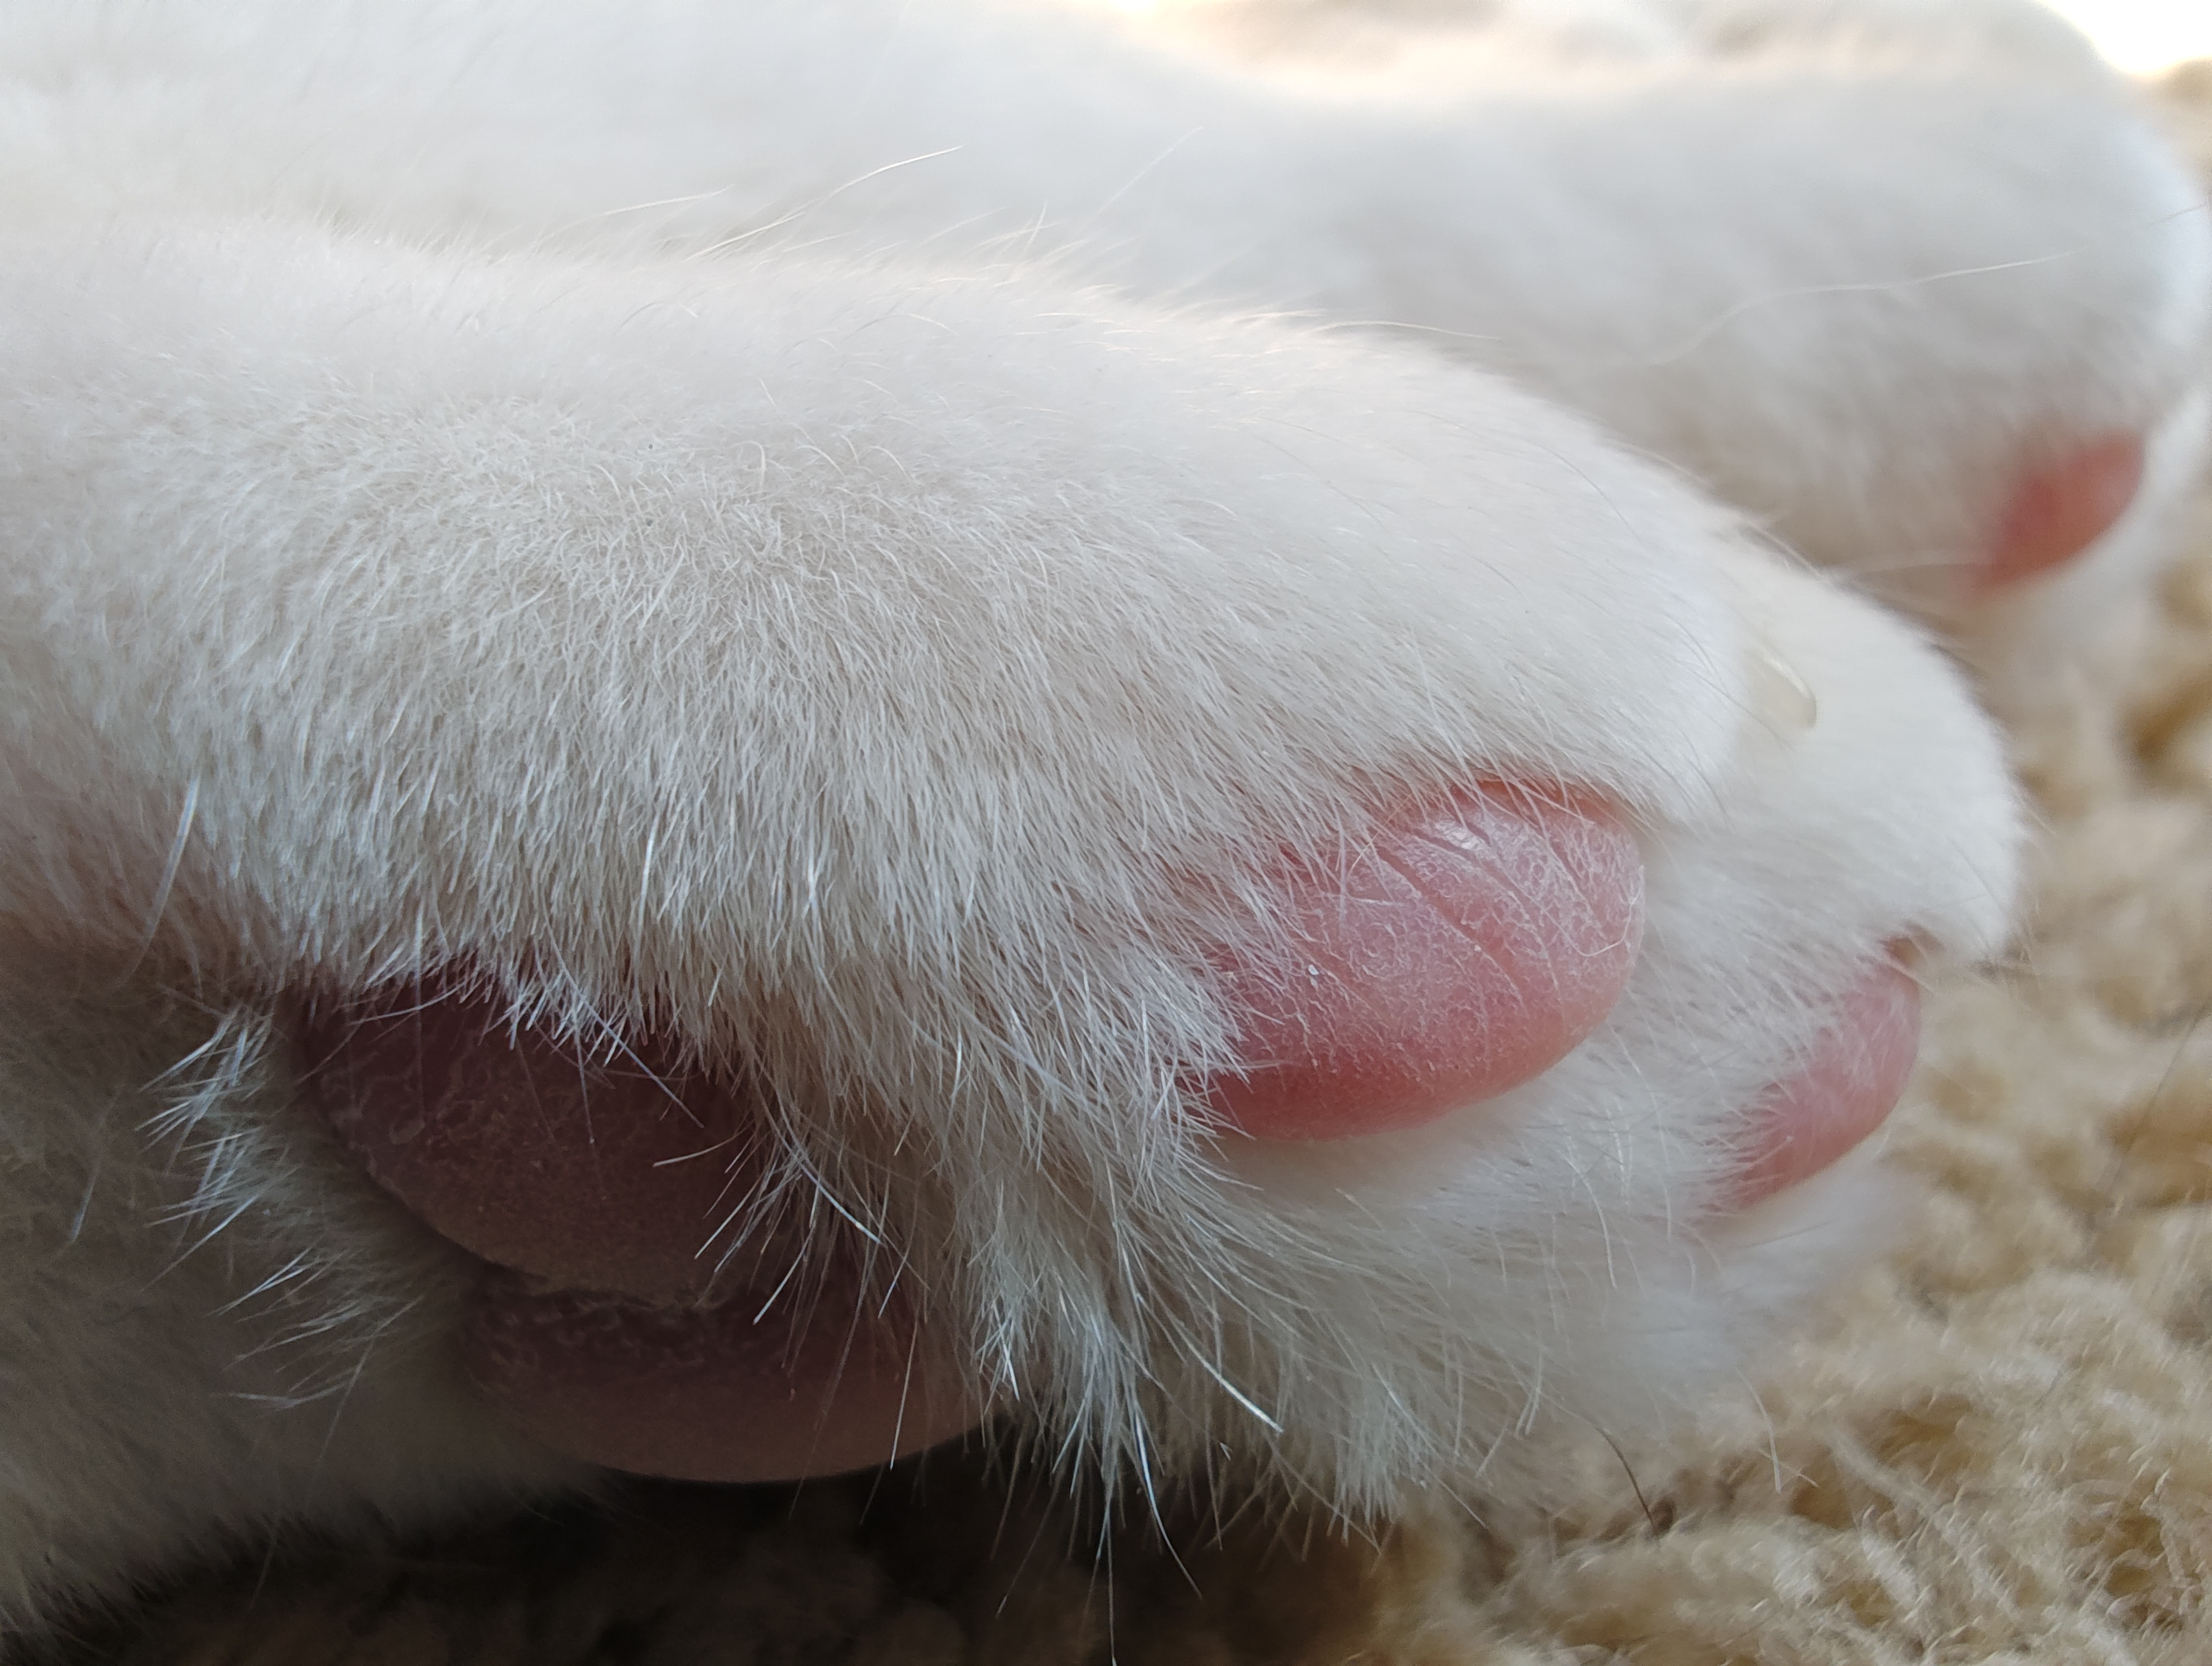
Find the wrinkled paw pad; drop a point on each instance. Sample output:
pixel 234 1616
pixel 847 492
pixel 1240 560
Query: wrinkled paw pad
pixel 1459 955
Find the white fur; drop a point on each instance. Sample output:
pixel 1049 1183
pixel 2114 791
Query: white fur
pixel 775 520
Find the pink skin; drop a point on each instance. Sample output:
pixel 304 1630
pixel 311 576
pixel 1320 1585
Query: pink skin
pixel 1852 1080
pixel 815 1383
pixel 615 1176
pixel 2062 507
pixel 1464 954
pixel 623 1177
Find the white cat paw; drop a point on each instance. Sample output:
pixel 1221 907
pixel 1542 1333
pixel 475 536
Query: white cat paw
pixel 728 872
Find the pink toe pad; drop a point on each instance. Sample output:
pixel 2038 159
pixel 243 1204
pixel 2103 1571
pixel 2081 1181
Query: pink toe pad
pixel 2061 508
pixel 623 1175
pixel 616 1174
pixel 1465 952
pixel 1850 1081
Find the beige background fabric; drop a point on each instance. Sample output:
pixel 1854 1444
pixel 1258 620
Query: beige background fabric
pixel 1995 1447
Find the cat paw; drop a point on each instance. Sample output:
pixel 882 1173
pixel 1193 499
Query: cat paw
pixel 1943 326
pixel 729 873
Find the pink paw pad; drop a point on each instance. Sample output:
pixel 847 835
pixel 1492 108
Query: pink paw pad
pixel 1852 1077
pixel 1462 953
pixel 611 1188
pixel 2061 508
